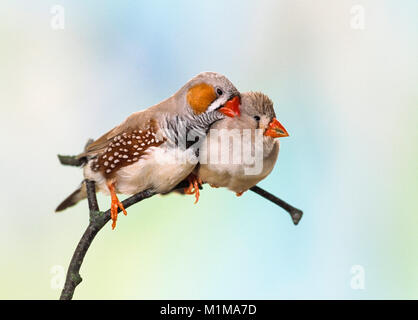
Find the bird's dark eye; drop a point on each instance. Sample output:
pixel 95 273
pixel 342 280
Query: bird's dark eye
pixel 257 118
pixel 219 92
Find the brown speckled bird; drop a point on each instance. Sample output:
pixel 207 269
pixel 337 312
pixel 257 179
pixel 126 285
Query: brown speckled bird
pixel 150 149
pixel 256 113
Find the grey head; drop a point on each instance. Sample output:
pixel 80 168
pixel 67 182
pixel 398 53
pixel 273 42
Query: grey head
pixel 205 93
pixel 203 100
pixel 259 109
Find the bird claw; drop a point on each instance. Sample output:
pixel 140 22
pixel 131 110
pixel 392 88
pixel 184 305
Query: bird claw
pixel 193 187
pixel 115 205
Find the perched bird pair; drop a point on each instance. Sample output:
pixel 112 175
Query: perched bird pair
pixel 152 149
pixel 146 151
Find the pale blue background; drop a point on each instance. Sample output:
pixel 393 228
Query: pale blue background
pixel 347 97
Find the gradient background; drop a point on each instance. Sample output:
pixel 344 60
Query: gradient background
pixel 347 97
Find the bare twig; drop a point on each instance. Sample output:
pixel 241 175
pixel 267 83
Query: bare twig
pixel 98 219
pixel 295 213
pixel 71 161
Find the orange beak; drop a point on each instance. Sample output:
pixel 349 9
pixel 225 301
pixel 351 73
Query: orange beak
pixel 275 129
pixel 231 107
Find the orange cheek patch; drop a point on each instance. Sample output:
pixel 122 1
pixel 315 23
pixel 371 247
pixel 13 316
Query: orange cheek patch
pixel 200 97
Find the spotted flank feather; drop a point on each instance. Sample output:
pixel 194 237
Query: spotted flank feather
pixel 125 149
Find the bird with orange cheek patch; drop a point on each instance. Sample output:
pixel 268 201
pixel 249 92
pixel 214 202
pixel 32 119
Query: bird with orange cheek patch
pixel 151 149
pixel 219 165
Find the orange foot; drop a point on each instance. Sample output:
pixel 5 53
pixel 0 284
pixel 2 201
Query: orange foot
pixel 239 194
pixel 115 204
pixel 193 188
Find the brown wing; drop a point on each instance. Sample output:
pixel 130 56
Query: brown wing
pixel 136 120
pixel 126 148
pixel 140 119
pixel 99 145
